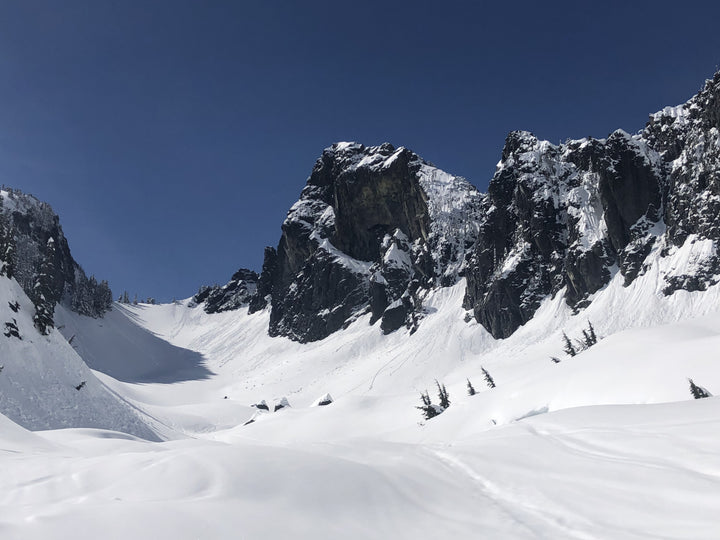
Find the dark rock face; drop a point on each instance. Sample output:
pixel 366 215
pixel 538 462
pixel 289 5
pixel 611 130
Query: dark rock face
pixel 323 296
pixel 371 203
pixel 239 291
pixel 687 139
pixel 376 228
pixel 363 237
pixel 333 234
pixel 562 217
pixel 31 224
pixel 542 229
pixel 264 285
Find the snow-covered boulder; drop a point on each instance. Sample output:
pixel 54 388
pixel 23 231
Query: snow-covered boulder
pixel 323 400
pixel 281 403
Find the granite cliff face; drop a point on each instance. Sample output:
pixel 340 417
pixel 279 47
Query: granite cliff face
pixel 561 218
pixel 565 218
pixel 366 236
pixel 374 229
pixel 377 227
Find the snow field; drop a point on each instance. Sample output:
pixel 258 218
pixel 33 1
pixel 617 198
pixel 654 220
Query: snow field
pixel 607 444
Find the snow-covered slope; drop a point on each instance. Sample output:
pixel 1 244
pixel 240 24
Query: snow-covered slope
pixel 606 444
pixel 500 464
pixel 44 384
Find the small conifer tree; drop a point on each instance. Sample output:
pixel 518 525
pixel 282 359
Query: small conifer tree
pixel 698 392
pixel 428 409
pixel 443 395
pixel 569 348
pixel 589 337
pixel 488 378
pixel 591 331
pixel 470 388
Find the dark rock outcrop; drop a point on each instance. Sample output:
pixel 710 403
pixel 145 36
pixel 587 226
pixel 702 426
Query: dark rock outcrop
pixel 264 285
pixel 376 228
pixel 238 292
pixel 363 237
pixel 30 223
pixel 563 217
pixel 543 233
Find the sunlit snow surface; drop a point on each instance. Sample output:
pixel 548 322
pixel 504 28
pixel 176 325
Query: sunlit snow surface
pixel 608 444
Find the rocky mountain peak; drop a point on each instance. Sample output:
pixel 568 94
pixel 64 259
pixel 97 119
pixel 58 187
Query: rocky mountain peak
pixel 376 227
pixel 565 218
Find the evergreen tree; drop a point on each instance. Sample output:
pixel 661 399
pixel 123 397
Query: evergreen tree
pixel 428 409
pixel 443 395
pixel 42 291
pixel 105 295
pixel 7 245
pixel 471 390
pixel 488 378
pixel 591 330
pixel 589 337
pixel 698 392
pixel 11 329
pixel 82 296
pixel 569 349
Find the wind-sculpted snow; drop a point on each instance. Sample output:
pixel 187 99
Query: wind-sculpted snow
pixel 606 472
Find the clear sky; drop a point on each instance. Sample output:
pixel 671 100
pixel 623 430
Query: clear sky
pixel 173 136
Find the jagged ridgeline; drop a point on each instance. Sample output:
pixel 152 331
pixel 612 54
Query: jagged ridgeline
pixel 377 227
pixel 34 250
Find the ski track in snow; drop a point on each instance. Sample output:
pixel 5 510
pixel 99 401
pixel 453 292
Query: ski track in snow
pixel 520 510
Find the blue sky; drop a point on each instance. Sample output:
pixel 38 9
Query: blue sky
pixel 172 137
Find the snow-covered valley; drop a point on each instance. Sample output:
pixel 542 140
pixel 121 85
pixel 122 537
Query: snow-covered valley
pixel 415 358
pixel 606 444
